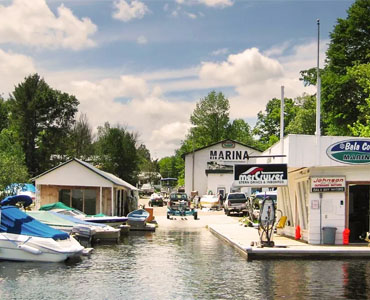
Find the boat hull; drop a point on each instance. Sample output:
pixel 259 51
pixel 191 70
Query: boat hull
pixel 28 248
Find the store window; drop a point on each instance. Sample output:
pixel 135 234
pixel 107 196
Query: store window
pixel 81 199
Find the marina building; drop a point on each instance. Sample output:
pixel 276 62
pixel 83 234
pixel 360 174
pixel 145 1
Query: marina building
pixel 328 186
pixel 209 170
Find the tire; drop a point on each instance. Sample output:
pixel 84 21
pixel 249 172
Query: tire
pixel 195 215
pixel 168 216
pixel 228 213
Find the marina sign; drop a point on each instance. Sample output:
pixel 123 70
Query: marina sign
pixel 328 184
pixel 258 175
pixel 355 152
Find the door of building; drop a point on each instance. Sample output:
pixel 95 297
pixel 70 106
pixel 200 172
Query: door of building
pixel 358 212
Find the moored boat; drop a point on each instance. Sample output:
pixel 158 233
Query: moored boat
pixel 23 238
pixel 137 219
pixel 60 207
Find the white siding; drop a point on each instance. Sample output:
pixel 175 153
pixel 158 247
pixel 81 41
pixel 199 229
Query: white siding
pixel 73 174
pixel 201 157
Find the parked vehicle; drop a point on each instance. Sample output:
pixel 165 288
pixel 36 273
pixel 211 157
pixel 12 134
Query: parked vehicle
pixel 179 205
pixel 235 203
pixel 209 201
pixel 147 189
pixel 268 194
pixel 156 199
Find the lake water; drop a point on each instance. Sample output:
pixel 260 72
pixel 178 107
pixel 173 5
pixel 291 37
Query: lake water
pixel 182 265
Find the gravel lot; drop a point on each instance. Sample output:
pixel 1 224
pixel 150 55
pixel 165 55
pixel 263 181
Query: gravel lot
pixel 205 218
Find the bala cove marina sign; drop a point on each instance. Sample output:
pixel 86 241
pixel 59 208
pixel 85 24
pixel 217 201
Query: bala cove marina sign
pixel 355 152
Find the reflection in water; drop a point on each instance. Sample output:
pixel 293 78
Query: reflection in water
pixel 182 265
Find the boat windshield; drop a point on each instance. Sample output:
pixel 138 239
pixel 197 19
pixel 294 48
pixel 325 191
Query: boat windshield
pixel 179 196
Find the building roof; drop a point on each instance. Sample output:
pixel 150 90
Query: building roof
pixel 219 142
pixel 108 176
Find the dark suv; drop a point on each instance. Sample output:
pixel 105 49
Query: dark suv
pixel 235 202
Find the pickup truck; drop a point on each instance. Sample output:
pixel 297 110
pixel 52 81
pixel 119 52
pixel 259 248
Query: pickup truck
pixel 235 203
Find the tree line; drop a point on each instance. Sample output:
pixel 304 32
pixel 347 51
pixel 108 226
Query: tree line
pixel 39 130
pixel 345 100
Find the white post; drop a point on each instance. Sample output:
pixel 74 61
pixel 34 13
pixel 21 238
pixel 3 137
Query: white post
pixel 318 84
pixel 101 200
pixel 282 122
pixel 112 196
pixel 318 97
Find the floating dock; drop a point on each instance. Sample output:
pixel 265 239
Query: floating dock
pixel 242 238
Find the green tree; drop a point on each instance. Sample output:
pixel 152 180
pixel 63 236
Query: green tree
pixel 80 139
pixel 4 110
pixel 117 153
pixel 240 131
pixel 361 74
pixel 42 118
pixel 268 122
pixel 210 119
pixel 12 165
pixel 305 120
pixel 167 167
pixel 342 97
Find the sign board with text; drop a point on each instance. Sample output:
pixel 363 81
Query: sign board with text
pixel 260 175
pixel 328 184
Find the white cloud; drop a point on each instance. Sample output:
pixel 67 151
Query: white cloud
pixel 191 15
pixel 14 68
pixel 127 11
pixel 161 124
pixel 222 51
pixel 217 3
pixel 210 3
pixel 243 68
pixel 32 23
pixel 142 40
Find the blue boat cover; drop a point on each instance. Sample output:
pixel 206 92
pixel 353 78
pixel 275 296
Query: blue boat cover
pixel 76 220
pixel 16 221
pixel 13 200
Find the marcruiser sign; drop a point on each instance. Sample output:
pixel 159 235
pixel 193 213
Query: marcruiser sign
pixel 260 175
pixel 355 152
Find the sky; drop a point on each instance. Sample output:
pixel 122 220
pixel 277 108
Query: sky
pixel 144 64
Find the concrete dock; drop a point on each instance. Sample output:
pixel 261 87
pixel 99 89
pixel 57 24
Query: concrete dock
pixel 242 238
pixel 228 229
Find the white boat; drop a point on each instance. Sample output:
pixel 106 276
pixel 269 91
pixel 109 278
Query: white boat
pixel 100 232
pixel 61 208
pixel 22 238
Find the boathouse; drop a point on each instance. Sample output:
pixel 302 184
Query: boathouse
pixel 210 169
pixel 80 185
pixel 328 186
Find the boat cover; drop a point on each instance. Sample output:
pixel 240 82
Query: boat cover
pixel 61 205
pixel 55 205
pixel 76 220
pixel 16 221
pixel 50 219
pixel 13 200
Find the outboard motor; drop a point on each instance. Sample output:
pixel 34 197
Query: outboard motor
pixel 266 222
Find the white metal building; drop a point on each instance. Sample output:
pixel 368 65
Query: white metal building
pixel 328 185
pixel 210 169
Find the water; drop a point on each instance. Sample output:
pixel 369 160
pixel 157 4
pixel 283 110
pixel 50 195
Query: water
pixel 182 265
